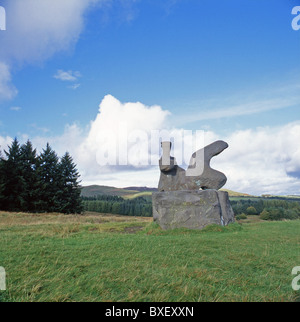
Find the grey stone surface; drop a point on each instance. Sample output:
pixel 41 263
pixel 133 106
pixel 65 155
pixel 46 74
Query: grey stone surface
pixel 199 174
pixel 172 177
pixel 192 209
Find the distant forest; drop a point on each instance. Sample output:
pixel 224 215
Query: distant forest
pixel 117 205
pixel 271 209
pixel 38 183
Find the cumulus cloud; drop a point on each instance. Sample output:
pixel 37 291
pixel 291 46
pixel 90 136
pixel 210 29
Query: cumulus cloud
pixel 258 161
pixel 120 133
pixel 264 160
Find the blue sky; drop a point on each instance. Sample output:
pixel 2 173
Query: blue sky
pixel 226 66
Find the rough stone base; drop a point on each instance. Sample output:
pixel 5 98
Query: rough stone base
pixel 191 209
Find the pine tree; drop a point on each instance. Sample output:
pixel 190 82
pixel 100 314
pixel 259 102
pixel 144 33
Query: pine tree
pixel 13 182
pixel 48 176
pixel 69 186
pixel 1 182
pixel 31 191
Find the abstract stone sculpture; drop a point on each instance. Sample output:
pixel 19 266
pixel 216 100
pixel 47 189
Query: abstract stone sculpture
pixel 199 174
pixel 191 209
pixel 190 198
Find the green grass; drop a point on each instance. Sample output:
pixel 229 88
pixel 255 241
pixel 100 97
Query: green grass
pixel 236 194
pixel 112 258
pixel 146 194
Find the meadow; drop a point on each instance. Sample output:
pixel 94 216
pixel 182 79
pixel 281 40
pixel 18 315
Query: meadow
pixel 97 257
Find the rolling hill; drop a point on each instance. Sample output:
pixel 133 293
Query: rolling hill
pixel 134 192
pixel 95 190
pixel 236 194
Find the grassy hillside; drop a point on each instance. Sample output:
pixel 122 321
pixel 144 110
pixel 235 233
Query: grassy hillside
pixel 95 190
pixel 236 194
pixel 142 189
pixel 134 192
pixel 147 195
pixel 52 257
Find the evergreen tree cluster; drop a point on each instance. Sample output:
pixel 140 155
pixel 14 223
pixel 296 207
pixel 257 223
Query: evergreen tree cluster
pixel 271 209
pixel 38 183
pixel 117 205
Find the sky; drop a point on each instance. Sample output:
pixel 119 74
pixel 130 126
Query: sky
pixel 100 78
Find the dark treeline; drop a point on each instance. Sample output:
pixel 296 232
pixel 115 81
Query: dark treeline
pixel 38 183
pixel 274 209
pixel 117 205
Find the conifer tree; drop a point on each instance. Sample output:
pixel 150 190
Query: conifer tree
pixel 13 182
pixel 29 163
pixel 69 186
pixel 1 181
pixel 48 176
pixel 38 183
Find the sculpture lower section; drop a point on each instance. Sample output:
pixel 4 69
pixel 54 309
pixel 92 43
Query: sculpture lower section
pixel 191 209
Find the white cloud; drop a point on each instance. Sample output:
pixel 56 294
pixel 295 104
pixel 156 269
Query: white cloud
pixel 4 142
pixel 68 76
pixel 109 130
pixel 262 160
pixel 41 28
pixel 68 141
pixel 265 160
pixel 36 30
pixel 7 90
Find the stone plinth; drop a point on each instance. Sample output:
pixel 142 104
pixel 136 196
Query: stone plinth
pixel 191 209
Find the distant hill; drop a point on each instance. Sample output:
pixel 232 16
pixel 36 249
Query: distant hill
pixel 134 192
pixel 236 194
pixel 95 190
pixel 142 189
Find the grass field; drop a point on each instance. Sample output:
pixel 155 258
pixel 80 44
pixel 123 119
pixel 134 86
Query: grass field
pixel 54 257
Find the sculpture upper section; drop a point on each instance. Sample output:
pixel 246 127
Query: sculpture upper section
pixel 198 176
